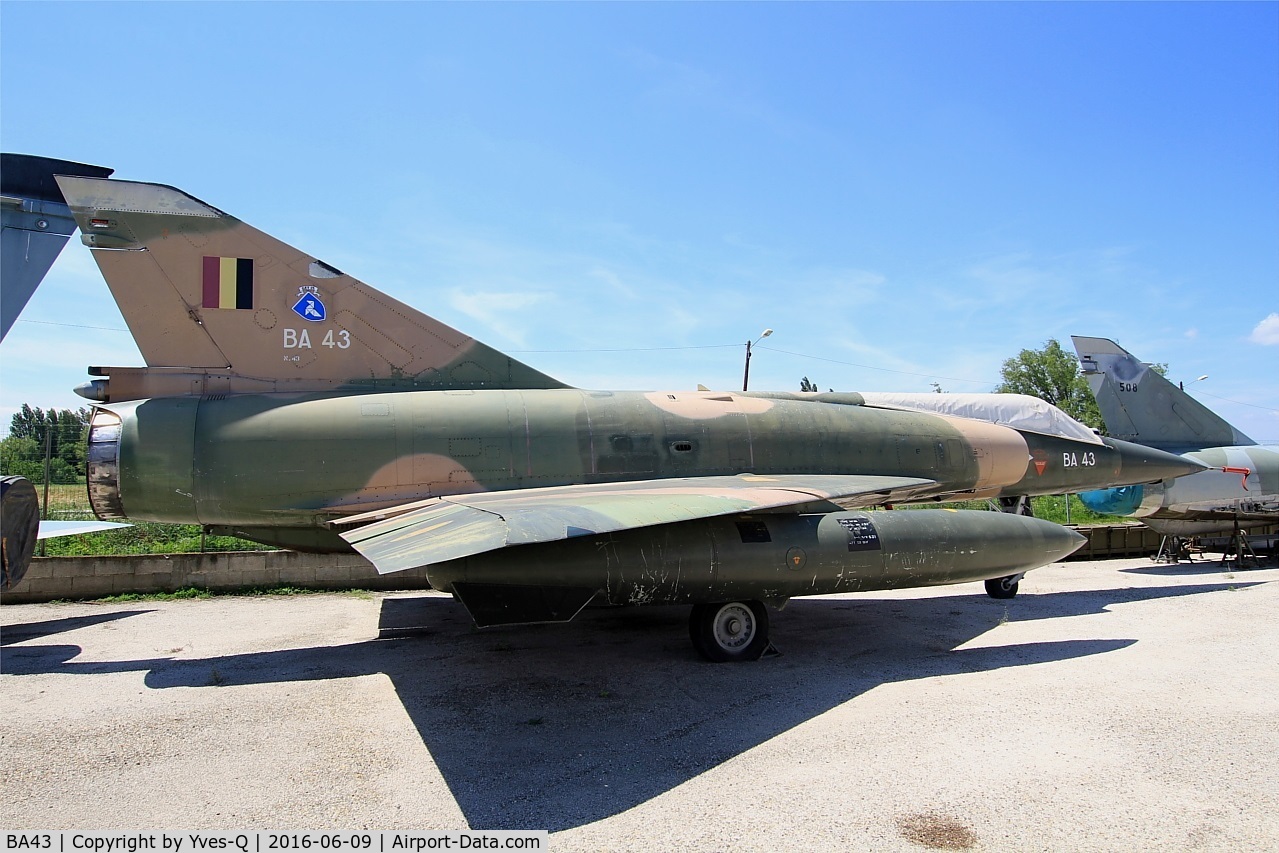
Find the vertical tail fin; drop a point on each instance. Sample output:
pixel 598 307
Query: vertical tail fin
pixel 36 225
pixel 217 306
pixel 1141 406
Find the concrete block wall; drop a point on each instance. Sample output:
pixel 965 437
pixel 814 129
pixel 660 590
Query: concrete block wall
pixel 51 578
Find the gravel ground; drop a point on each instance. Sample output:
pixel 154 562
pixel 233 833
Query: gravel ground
pixel 1118 705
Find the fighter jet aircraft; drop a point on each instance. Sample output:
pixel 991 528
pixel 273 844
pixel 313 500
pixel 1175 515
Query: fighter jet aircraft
pixel 287 402
pixel 1242 484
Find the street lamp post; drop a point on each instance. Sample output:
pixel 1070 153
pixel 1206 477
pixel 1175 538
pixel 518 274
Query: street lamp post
pixel 746 374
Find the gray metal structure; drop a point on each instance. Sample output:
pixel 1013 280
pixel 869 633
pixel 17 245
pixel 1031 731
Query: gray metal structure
pixel 36 224
pixel 1241 487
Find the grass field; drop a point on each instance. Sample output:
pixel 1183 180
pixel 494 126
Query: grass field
pixel 71 503
pixel 66 502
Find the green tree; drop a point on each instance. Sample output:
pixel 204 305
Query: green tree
pixel 70 437
pixel 22 452
pixel 806 385
pixel 23 457
pixel 1052 375
pixel 27 423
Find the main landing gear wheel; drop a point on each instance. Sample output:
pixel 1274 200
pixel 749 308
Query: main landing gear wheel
pixel 20 519
pixel 729 632
pixel 1005 587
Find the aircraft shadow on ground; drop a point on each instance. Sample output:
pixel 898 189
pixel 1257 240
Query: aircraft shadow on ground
pixel 556 726
pixel 1175 570
pixel 23 631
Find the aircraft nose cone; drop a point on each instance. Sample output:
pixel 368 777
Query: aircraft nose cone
pixel 1141 464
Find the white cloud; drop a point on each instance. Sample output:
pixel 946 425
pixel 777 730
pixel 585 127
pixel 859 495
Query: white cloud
pixel 1191 334
pixel 1012 276
pixel 614 281
pixel 504 313
pixel 850 282
pixel 676 86
pixel 1267 332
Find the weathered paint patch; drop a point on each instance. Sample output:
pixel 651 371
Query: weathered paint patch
pixel 704 405
pixel 1001 453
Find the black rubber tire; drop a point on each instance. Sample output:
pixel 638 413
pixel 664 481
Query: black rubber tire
pixel 1017 505
pixel 1004 587
pixel 20 517
pixel 730 631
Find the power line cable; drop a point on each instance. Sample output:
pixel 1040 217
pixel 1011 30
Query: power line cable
pixel 73 325
pixel 1240 402
pixel 711 346
pixel 620 349
pixel 873 367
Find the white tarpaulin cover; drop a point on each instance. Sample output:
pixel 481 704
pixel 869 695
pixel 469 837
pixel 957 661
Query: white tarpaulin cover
pixel 1018 411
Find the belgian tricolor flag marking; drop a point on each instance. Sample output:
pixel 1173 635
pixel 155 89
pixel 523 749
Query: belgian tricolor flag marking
pixel 228 282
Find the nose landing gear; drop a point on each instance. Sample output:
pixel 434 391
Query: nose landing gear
pixel 1005 587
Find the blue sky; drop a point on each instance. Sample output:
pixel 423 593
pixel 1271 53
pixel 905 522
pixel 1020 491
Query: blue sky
pixel 625 193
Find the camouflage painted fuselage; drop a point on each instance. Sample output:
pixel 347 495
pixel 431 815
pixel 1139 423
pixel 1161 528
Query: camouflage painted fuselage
pixel 277 469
